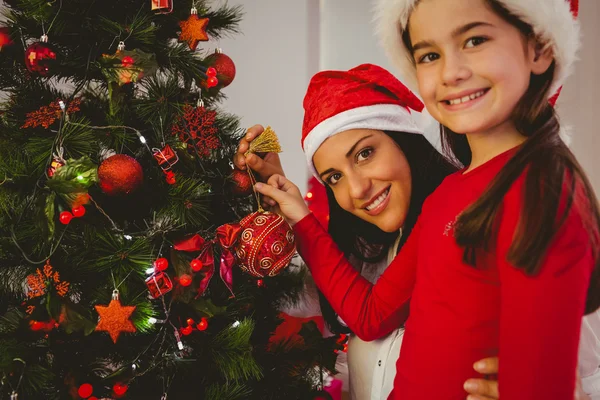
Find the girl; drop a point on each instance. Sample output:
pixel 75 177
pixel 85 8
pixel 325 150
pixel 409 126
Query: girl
pixel 368 97
pixel 515 233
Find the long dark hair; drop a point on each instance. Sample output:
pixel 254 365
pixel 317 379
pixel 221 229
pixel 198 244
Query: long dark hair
pixel 365 241
pixel 552 173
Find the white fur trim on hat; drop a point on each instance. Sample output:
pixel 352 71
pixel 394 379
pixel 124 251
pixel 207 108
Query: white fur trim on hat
pixel 383 117
pixel 551 20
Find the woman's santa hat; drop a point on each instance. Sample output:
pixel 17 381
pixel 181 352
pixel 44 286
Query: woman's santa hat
pixel 553 21
pixel 365 97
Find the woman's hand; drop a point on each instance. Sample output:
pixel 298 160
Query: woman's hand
pixel 264 167
pixel 288 197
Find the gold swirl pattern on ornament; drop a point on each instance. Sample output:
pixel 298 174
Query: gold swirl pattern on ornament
pixel 241 253
pixel 277 248
pixel 260 220
pixel 266 263
pixel 247 235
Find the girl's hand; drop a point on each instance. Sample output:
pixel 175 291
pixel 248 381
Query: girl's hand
pixel 288 197
pixel 486 389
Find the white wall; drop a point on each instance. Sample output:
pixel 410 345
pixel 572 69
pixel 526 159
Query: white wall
pixel 275 56
pixel 348 40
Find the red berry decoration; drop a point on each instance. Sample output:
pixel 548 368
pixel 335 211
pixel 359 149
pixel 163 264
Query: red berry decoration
pixel 37 325
pixel 210 71
pixel 78 211
pixel 185 280
pixel 224 66
pixel 161 264
pixel 65 217
pixel 40 58
pixel 187 330
pixel 120 389
pixel 196 265
pixel 120 174
pixel 242 182
pixel 93 398
pixel 85 390
pixel 260 283
pixel 212 82
pixel 190 322
pixel 266 244
pixel 5 39
pixel 202 325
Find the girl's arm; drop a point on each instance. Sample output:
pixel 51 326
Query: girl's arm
pixel 541 315
pixel 370 311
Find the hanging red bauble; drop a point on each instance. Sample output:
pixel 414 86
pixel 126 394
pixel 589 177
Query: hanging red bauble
pixel 120 174
pixel 65 217
pixel 242 182
pixel 224 66
pixel 5 39
pixel 159 284
pixel 85 390
pixel 266 244
pixel 78 211
pixel 120 389
pixel 40 58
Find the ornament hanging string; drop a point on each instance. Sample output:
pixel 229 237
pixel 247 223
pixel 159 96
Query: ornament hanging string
pixel 266 142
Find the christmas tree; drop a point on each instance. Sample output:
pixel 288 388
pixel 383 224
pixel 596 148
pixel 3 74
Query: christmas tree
pixel 122 273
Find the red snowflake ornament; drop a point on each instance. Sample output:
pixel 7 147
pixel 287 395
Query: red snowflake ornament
pixel 196 127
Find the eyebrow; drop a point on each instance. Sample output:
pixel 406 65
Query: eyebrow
pixel 348 154
pixel 456 32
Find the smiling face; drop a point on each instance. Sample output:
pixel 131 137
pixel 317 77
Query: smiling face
pixel 473 66
pixel 368 174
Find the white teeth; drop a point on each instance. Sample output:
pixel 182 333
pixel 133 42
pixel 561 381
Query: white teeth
pixel 378 200
pixel 466 98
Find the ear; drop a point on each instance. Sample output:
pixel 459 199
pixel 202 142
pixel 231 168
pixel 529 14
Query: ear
pixel 540 57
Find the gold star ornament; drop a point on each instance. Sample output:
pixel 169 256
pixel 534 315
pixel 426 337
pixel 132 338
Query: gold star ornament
pixel 114 318
pixel 193 30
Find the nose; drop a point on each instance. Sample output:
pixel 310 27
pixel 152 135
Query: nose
pixel 454 69
pixel 359 185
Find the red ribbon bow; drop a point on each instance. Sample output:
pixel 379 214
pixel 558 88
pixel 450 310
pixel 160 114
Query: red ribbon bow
pixel 226 238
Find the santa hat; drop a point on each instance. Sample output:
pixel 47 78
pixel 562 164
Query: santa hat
pixel 365 97
pixel 553 21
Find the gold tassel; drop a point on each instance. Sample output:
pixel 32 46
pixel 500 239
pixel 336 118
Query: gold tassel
pixel 266 142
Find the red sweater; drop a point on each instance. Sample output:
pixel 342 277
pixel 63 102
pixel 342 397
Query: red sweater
pixel 460 314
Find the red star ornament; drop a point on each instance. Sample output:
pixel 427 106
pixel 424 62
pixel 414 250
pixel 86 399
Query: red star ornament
pixel 193 30
pixel 114 319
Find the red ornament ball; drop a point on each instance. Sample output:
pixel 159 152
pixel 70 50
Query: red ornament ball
pixel 85 390
pixel 242 182
pixel 185 280
pixel 120 389
pixel 196 265
pixel 120 174
pixel 78 211
pixel 202 325
pixel 40 59
pixel 65 217
pixel 266 244
pixel 161 264
pixel 224 66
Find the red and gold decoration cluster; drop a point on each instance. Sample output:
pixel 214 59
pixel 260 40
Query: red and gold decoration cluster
pixel 115 318
pixel 39 282
pixel 47 115
pixel 196 127
pixel 120 174
pixel 266 244
pixel 193 30
pixel 40 58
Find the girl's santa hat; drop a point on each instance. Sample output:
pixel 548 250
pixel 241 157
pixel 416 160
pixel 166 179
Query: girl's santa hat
pixel 365 97
pixel 553 21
